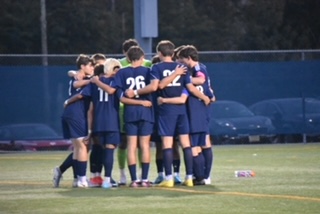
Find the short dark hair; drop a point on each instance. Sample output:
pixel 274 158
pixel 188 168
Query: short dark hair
pixel 166 48
pixel 98 70
pixel 135 53
pixel 83 60
pixel 98 56
pixel 155 59
pixel 189 51
pixel 128 44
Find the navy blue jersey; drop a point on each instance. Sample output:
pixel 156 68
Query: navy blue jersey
pixel 198 112
pixel 174 89
pixel 134 78
pixel 79 108
pixel 105 107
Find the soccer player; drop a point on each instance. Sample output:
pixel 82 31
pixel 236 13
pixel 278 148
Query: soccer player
pixel 122 155
pixel 170 79
pixel 96 152
pixel 138 114
pixel 74 119
pixel 198 115
pixel 106 113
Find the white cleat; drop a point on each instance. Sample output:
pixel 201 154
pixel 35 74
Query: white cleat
pixel 82 184
pixel 57 176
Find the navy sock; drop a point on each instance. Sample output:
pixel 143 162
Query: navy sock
pixel 188 160
pixel 159 163
pixel 208 161
pixel 108 161
pixel 75 168
pixel 176 165
pixel 167 160
pixel 133 172
pixel 198 169
pixel 95 158
pixel 145 170
pixel 66 164
pixel 82 168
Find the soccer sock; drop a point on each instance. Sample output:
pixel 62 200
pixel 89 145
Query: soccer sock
pixel 108 161
pixel 167 161
pixel 94 158
pixel 100 161
pixel 75 168
pixel 197 167
pixel 133 172
pixel 176 165
pixel 145 171
pixel 66 164
pixel 188 160
pixel 159 163
pixel 122 156
pixel 82 168
pixel 208 161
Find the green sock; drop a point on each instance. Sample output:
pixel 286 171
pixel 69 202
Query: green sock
pixel 122 158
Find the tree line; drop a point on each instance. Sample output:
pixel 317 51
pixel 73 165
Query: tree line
pixel 81 26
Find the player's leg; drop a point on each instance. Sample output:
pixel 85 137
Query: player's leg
pixel 132 144
pixel 183 133
pixel 81 155
pixel 198 140
pixel 176 162
pixel 159 162
pixel 208 159
pixel 122 159
pixel 95 157
pixel 145 130
pixel 112 139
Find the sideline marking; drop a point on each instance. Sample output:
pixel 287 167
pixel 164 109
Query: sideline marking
pixel 254 195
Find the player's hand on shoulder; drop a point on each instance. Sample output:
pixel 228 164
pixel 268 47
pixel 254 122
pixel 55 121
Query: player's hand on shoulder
pixel 160 100
pixel 180 70
pixel 94 79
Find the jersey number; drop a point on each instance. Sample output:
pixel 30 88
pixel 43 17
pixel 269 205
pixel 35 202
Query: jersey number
pixel 137 82
pixel 103 96
pixel 174 81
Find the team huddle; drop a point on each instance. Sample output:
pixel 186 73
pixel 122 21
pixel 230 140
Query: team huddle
pixel 128 103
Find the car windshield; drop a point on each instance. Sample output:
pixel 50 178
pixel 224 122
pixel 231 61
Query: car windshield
pixel 230 110
pixel 294 107
pixel 32 132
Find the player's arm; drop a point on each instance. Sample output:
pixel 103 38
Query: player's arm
pixel 193 90
pixel 73 99
pixel 199 79
pixel 179 70
pixel 90 118
pixel 80 83
pixel 173 100
pixel 129 101
pixel 103 86
pixel 152 87
pixel 72 73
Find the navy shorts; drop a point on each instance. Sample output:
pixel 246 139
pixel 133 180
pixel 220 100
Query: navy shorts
pixel 74 128
pixel 171 125
pixel 198 139
pixel 139 128
pixel 108 137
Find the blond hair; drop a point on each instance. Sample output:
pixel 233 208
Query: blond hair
pixel 110 65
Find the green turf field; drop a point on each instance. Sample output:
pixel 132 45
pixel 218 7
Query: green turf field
pixel 287 181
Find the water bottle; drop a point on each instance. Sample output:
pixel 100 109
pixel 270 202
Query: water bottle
pixel 244 173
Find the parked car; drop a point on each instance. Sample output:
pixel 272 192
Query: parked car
pixel 233 122
pixel 31 137
pixel 292 117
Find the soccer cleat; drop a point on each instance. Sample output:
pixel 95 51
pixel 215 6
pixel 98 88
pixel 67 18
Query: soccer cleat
pixel 57 176
pixel 159 179
pixel 114 183
pixel 198 182
pixel 166 183
pixel 134 184
pixel 188 183
pixel 74 182
pixel 95 182
pixel 82 184
pixel 207 181
pixel 106 185
pixel 123 181
pixel 146 184
pixel 177 179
